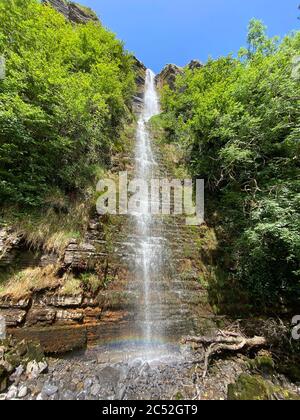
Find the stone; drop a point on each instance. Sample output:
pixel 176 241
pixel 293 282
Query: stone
pixel 2 328
pixel 195 64
pixel 63 301
pixel 12 393
pixel 68 396
pixel 168 76
pixel 23 392
pixel 17 374
pixel 40 316
pixel 10 241
pixel 88 383
pixel 95 390
pixel 69 316
pixel 9 303
pixel 80 256
pixel 13 317
pixel 34 369
pixel 49 390
pixel 72 11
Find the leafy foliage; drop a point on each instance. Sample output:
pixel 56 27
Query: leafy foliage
pixel 239 121
pixel 62 103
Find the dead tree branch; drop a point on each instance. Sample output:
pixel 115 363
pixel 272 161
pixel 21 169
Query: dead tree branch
pixel 224 341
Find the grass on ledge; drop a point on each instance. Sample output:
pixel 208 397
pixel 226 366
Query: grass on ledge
pixel 50 228
pixel 23 283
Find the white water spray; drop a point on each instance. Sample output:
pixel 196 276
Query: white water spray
pixel 148 248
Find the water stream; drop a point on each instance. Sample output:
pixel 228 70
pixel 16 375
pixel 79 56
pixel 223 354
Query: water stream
pixel 148 247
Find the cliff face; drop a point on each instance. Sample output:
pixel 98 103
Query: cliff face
pixel 73 11
pixel 168 75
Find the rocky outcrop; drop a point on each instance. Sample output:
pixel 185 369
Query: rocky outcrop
pixel 74 12
pixel 168 76
pixel 170 72
pixel 194 65
pixel 9 244
pixel 140 71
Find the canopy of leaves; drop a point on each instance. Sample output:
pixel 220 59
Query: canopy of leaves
pixel 62 103
pixel 239 120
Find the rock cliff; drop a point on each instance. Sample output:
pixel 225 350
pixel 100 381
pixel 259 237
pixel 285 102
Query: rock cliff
pixel 73 11
pixel 169 73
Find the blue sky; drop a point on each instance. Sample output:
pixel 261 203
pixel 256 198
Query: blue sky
pixel 176 31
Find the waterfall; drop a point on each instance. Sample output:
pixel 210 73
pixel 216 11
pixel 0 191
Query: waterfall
pixel 148 252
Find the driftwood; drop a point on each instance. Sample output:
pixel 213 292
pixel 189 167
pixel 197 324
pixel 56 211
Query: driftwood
pixel 224 341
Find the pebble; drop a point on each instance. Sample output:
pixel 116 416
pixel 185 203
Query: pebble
pixel 88 383
pixel 23 392
pixel 12 393
pixel 95 390
pixel 49 390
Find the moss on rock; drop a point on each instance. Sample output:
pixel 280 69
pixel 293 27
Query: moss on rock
pixel 255 388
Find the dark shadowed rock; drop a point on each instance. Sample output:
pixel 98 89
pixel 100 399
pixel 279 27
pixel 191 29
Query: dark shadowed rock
pixel 195 64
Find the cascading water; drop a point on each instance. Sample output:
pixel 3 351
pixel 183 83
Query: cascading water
pixel 149 248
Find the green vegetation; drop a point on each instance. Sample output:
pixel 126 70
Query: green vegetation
pixel 256 388
pixel 238 121
pixel 63 103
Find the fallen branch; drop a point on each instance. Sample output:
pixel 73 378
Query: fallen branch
pixel 224 341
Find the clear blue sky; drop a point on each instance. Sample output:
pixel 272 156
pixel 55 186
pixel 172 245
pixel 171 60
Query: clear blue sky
pixel 176 31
